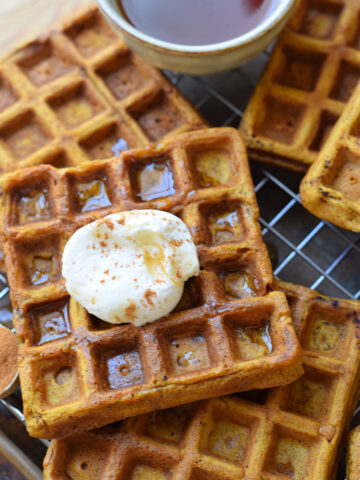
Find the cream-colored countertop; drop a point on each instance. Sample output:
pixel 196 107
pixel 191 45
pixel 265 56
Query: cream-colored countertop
pixel 23 20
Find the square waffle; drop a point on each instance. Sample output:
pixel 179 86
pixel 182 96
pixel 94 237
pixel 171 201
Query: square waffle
pixel 331 188
pixel 309 78
pixel 353 455
pixel 293 431
pixel 227 334
pixel 78 93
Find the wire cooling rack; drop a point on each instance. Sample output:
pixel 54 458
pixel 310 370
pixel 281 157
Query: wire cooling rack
pixel 303 249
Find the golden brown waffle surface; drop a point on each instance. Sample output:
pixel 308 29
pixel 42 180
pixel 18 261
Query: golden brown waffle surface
pixel 331 188
pixel 353 455
pixel 227 334
pixel 310 76
pixel 78 93
pixel 293 431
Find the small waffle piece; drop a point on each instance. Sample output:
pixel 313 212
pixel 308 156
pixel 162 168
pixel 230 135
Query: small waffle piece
pixel 78 93
pixel 331 188
pixel 353 455
pixel 227 333
pixel 293 431
pixel 310 77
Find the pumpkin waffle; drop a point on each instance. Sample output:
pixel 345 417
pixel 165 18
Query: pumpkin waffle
pixel 311 75
pixel 353 455
pixel 78 93
pixel 331 188
pixel 290 431
pixel 79 373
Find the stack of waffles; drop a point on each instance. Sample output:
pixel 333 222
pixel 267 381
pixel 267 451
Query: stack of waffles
pixel 309 86
pixel 292 431
pixel 310 77
pixel 78 94
pixel 227 334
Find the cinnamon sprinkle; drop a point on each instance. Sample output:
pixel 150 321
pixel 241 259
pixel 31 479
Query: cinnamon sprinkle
pixel 148 296
pixel 109 224
pixel 130 311
pixel 176 243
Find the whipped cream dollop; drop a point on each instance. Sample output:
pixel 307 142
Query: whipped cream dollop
pixel 130 267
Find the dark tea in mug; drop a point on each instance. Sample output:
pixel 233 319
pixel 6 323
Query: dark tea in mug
pixel 195 22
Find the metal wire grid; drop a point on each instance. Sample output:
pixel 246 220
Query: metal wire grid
pixel 303 249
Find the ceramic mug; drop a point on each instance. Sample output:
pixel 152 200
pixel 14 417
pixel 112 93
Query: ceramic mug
pixel 202 59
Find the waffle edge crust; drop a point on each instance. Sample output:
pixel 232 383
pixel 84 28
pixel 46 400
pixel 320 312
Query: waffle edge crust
pixel 353 455
pixel 309 79
pixel 291 431
pixel 227 334
pixel 331 188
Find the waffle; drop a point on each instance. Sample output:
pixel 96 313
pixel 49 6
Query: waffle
pixel 290 431
pixel 353 455
pixel 331 188
pixel 227 334
pixel 77 93
pixel 306 85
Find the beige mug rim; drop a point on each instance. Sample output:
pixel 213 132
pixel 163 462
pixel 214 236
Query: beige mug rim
pixel 280 11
